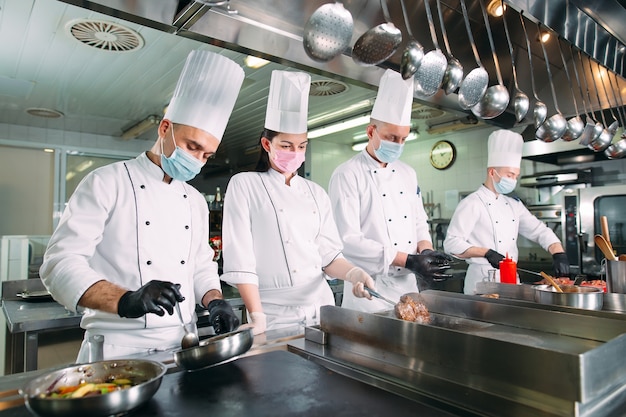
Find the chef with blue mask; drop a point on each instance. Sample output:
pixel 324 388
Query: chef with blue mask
pixel 378 206
pixel 133 240
pixel 486 223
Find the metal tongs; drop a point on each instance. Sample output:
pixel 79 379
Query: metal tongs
pixel 377 295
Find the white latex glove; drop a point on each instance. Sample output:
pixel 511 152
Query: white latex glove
pixel 258 323
pixel 360 279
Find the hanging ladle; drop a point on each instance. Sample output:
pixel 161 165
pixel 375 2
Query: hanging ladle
pixel 619 102
pixel 521 103
pixel 575 125
pixel 429 75
pixel 496 98
pixel 454 71
pixel 593 129
pixel 540 110
pixel 379 43
pixel 604 140
pixel 554 127
pixel 474 85
pixel 327 32
pixel 413 53
pixel 615 124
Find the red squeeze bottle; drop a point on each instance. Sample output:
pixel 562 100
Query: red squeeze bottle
pixel 508 271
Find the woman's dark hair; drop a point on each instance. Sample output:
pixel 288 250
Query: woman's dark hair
pixel 263 165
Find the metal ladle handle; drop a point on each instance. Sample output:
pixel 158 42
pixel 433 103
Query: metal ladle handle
pixel 569 79
pixel 606 92
pixel 469 33
pixel 580 88
pixel 493 47
pixel 508 41
pixel 530 56
pixel 383 6
pixel 597 92
pixel 545 56
pixel 443 29
pixel 431 25
pixel 406 20
pixel 619 102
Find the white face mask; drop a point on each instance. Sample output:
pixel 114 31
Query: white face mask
pixel 506 184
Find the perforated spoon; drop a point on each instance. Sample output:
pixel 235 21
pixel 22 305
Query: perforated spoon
pixel 475 83
pixel 540 110
pixel 454 71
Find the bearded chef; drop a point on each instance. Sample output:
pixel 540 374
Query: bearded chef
pixel 279 238
pixel 486 223
pixel 378 205
pixel 133 240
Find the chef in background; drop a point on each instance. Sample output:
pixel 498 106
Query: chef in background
pixel 486 223
pixel 279 238
pixel 134 238
pixel 378 205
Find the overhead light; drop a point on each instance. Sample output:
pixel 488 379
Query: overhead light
pixel 49 150
pixel 544 36
pixel 494 8
pixel 339 127
pixel 45 113
pixel 344 112
pixel 255 62
pixel 141 127
pixel 359 146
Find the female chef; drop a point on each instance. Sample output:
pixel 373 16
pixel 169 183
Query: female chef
pixel 279 237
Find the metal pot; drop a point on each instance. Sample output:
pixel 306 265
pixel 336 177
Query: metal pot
pixel 215 350
pixel 145 374
pixel 588 298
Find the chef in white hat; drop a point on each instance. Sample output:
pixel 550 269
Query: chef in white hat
pixel 279 238
pixel 133 240
pixel 486 223
pixel 378 206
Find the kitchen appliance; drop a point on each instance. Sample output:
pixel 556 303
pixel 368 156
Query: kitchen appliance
pixel 582 210
pixel 483 355
pixel 532 256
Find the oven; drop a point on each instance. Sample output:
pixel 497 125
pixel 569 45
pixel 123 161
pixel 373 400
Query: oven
pixel 582 209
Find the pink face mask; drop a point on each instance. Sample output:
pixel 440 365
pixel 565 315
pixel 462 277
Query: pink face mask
pixel 288 161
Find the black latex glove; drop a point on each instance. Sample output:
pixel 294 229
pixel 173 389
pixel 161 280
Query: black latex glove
pixel 429 264
pixel 560 264
pixel 222 317
pixel 494 258
pixel 153 297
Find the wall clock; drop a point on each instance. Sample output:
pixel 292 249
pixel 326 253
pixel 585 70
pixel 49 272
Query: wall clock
pixel 442 154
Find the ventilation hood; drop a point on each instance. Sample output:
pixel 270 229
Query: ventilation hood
pixel 273 29
pixel 552 178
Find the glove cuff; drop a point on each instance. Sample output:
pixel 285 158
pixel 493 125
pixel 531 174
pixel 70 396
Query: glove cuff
pixel 217 302
pixel 122 304
pixel 350 275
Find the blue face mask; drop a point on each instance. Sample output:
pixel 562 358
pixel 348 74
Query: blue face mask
pixel 180 165
pixel 388 151
pixel 506 184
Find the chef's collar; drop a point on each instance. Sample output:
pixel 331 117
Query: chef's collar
pixel 487 193
pixel 153 169
pixel 372 163
pixel 279 177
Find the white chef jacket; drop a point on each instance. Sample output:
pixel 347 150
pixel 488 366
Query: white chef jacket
pixel 379 212
pixel 125 225
pixel 489 220
pixel 279 237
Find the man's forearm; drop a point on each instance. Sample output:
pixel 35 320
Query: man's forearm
pixel 103 296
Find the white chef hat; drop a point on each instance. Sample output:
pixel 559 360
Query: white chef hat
pixel 206 92
pixel 504 149
pixel 288 102
pixel 394 99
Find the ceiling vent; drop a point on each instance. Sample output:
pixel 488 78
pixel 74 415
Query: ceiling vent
pixel 322 88
pixel 106 36
pixel 426 113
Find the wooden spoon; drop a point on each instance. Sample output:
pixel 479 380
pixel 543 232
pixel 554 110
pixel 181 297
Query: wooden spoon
pixel 551 281
pixel 604 225
pixel 605 247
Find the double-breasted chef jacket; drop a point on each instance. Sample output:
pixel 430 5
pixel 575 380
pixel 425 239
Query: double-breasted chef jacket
pixel 494 221
pixel 379 212
pixel 280 237
pixel 125 225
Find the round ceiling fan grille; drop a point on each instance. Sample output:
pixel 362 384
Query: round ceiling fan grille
pixel 327 88
pixel 106 36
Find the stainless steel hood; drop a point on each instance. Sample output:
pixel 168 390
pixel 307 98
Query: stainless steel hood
pixel 273 29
